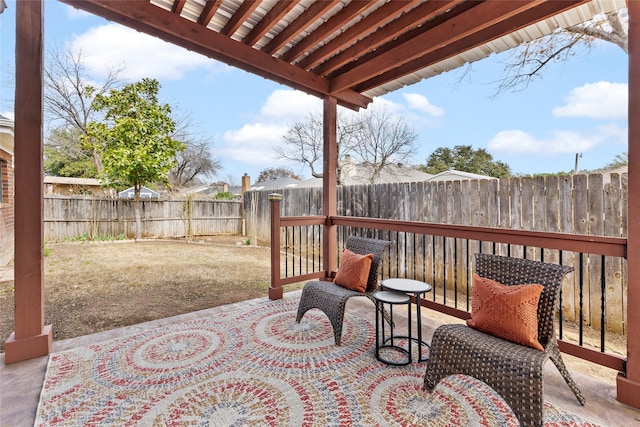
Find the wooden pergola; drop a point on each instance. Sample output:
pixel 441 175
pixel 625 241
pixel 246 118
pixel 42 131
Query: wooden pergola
pixel 343 51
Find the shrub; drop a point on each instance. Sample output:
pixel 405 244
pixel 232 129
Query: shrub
pixel 224 195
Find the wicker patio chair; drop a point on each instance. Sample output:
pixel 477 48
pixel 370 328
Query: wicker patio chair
pixel 513 370
pixel 331 298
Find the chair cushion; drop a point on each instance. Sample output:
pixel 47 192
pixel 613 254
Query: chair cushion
pixel 508 312
pixel 354 271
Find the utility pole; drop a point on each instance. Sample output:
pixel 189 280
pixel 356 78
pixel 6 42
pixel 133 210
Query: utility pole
pixel 575 169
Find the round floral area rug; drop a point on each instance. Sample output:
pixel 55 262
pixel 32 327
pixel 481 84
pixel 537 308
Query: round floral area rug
pixel 258 368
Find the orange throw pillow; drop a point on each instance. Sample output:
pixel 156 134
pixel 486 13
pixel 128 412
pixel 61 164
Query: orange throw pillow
pixel 508 312
pixel 354 271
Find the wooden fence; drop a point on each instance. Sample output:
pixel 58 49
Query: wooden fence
pixel 68 217
pixel 580 204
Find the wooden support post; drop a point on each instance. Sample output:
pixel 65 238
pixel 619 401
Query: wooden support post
pixel 628 384
pixel 329 184
pixel 275 291
pixel 31 338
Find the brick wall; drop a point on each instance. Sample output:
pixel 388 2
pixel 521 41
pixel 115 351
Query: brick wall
pixel 6 209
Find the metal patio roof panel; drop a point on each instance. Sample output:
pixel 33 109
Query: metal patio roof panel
pixel 385 47
pixel 535 31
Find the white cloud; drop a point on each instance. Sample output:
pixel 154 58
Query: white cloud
pixel 386 104
pixel 290 105
pixel 600 100
pixel 419 102
pixel 559 142
pixel 254 143
pixel 9 115
pixel 111 45
pixel 381 104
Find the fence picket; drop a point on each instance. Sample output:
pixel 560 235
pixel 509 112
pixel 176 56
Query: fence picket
pixel 70 217
pixel 596 227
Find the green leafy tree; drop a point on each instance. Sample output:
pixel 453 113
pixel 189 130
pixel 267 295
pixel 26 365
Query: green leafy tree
pixel 270 174
pixel 620 160
pixel 64 155
pixel 467 159
pixel 135 140
pixel 224 195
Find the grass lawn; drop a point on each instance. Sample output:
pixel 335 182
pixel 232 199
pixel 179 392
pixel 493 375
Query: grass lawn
pixel 96 286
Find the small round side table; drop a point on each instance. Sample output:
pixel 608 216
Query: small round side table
pixel 391 298
pixel 417 288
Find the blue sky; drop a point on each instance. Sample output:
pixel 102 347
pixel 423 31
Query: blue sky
pixel 578 107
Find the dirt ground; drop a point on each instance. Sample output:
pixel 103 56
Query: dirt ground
pixel 96 286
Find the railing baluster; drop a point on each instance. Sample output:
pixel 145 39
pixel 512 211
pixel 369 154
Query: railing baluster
pixel 581 299
pixel 444 272
pixel 405 254
pixel 286 252
pixel 561 313
pixel 455 272
pixel 423 256
pixel 415 253
pixel 603 297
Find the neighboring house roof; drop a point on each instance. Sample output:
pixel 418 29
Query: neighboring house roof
pixel 200 189
pixel 144 192
pixel 65 180
pixel 395 172
pixel 6 134
pixel 235 189
pixel 455 175
pixel 205 190
pixel 354 174
pixel 276 184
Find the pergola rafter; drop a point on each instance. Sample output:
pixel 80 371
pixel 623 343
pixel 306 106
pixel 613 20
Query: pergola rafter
pixel 207 12
pixel 301 23
pixel 397 30
pixel 400 60
pixel 368 25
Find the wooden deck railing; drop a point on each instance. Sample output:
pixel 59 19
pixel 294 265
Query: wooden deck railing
pixel 441 255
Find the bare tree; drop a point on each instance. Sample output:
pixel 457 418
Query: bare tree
pixel 531 60
pixel 69 94
pixel 375 137
pixel 196 161
pixel 383 138
pixel 8 85
pixel 232 180
pixel 304 142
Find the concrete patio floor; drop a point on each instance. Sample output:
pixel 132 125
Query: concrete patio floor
pixel 20 383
